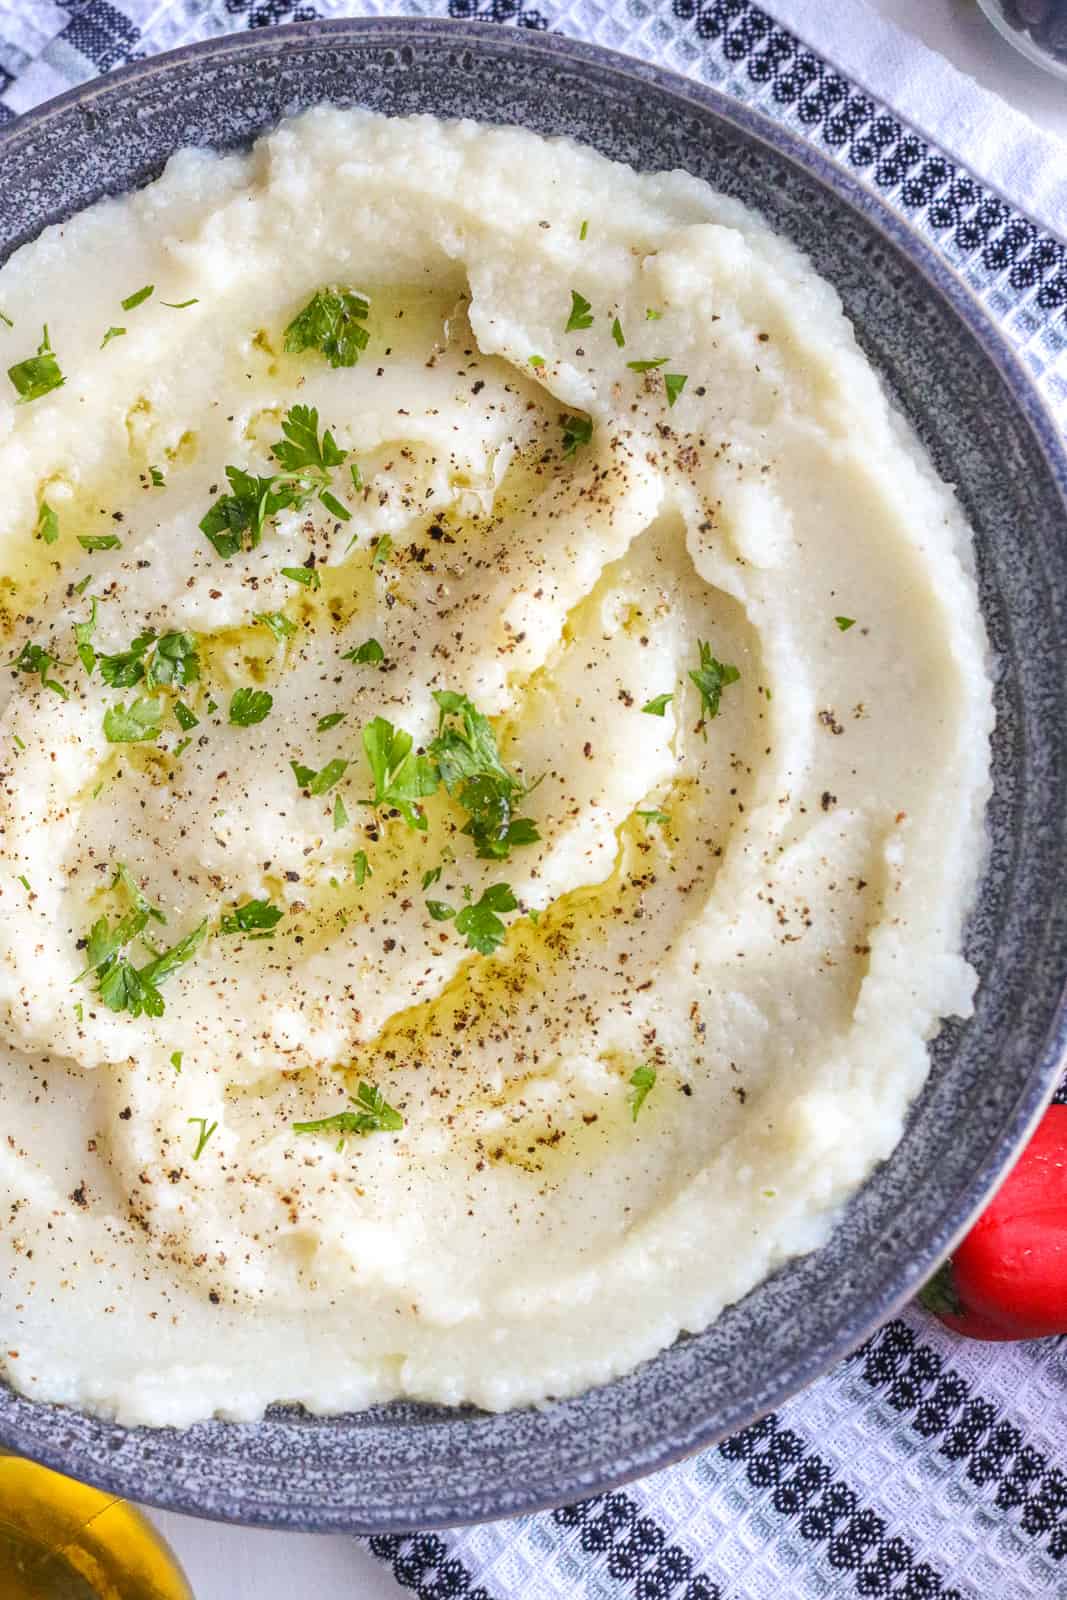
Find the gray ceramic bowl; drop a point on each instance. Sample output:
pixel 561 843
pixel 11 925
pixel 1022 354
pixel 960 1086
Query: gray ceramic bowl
pixel 400 1467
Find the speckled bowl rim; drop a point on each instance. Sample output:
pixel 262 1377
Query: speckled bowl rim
pixel 863 1318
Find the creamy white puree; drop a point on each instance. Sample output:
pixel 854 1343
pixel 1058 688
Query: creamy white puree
pixel 780 950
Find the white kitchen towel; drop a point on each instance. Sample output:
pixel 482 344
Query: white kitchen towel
pixel 924 1467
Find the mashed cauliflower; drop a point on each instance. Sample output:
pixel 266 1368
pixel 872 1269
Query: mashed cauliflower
pixel 493 764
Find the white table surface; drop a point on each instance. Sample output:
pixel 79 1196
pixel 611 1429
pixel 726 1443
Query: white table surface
pixel 225 1563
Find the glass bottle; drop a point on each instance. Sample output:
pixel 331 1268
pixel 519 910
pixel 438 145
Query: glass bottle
pixel 60 1540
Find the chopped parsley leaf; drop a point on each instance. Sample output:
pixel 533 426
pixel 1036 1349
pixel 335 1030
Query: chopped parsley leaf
pixel 31 658
pixel 330 720
pixel 320 782
pixel 369 653
pixel 204 1136
pixel 47 524
pixel 176 1060
pixel 185 719
pixel 576 431
pixel 340 815
pixel 80 588
pixel 479 923
pixel 248 706
pixel 6 320
pixel 357 476
pixel 583 231
pixel 642 1082
pixel 181 747
pixel 236 520
pixel 657 706
pixel 100 541
pixel 25 882
pixel 648 366
pixel 278 623
pixel 158 480
pixel 138 899
pixel 580 313
pixel 372 1115
pixel 175 661
pixel 37 375
pixel 253 916
pixel 382 550
pixel 845 623
pixel 126 667
pixel 112 333
pixel 307 461
pixel 617 333
pixel 439 911
pixel 18 742
pixel 536 361
pixel 711 678
pixel 144 720
pixel 138 297
pixel 179 305
pixel 654 816
pixel 469 762
pixel 674 383
pixel 307 577
pixel 652 316
pixel 361 869
pixel 400 776
pixel 121 985
pixel 332 321
pixel 432 876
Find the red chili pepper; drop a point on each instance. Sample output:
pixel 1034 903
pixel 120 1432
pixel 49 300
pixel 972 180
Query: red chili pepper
pixel 1008 1278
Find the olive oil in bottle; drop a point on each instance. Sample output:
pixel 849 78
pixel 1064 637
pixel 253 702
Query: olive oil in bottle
pixel 60 1540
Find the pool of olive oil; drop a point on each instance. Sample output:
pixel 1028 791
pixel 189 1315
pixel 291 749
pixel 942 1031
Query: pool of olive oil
pixel 60 1540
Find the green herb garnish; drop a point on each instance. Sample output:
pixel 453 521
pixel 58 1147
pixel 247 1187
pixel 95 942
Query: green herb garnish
pixel 254 916
pixel 648 366
pixel 100 541
pixel 372 1115
pixel 340 815
pixel 112 333
pixel 332 321
pixel 580 313
pixel 37 375
pixel 185 719
pixel 711 678
pixel 657 706
pixel 382 550
pixel 471 769
pixel 143 721
pixel 307 577
pixel 674 383
pixel 47 524
pixel 158 480
pixel 617 333
pixel 31 658
pixel 439 911
pixel 401 777
pixel 138 297
pixel 642 1082
pixel 576 431
pixel 583 231
pixel 278 623
pixel 845 623
pixel 330 720
pixel 479 923
pixel 205 1134
pixel 248 706
pixel 369 653
pixel 653 816
pixel 361 869
pixel 176 1060
pixel 322 781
